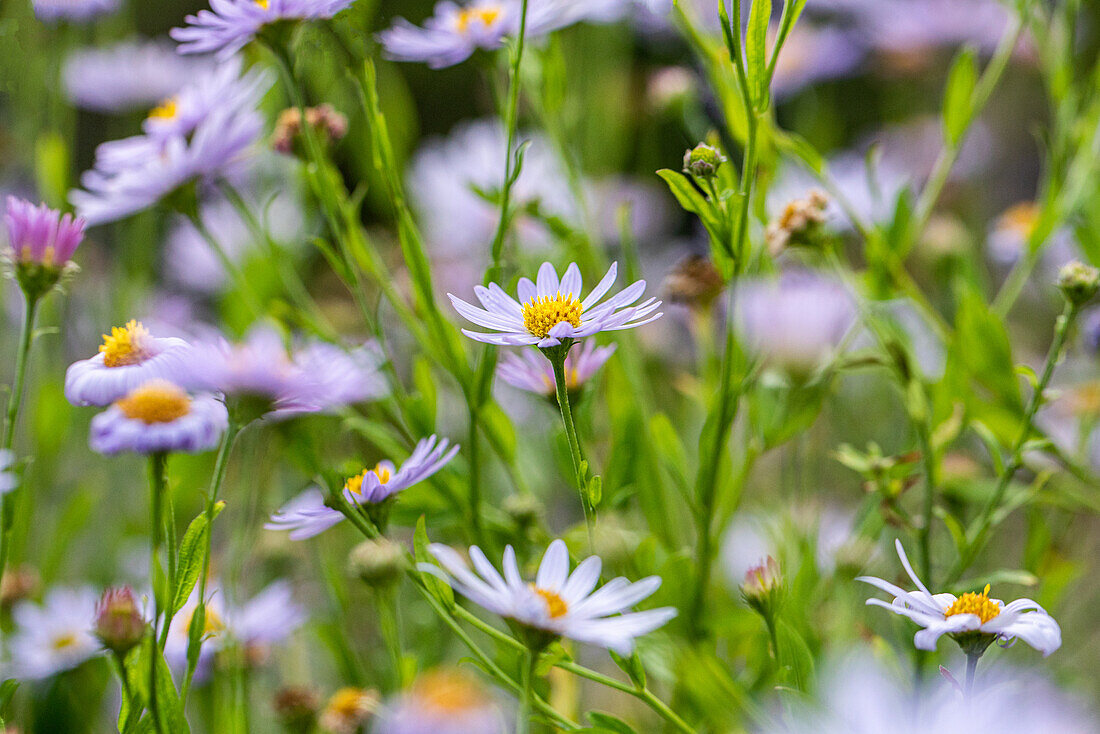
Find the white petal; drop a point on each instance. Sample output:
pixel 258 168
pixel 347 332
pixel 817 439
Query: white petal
pixel 602 287
pixel 554 567
pixel 547 282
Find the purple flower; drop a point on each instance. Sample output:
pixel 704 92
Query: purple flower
pixel 231 24
pixel 78 11
pixel 529 371
pixel 551 310
pixel 40 235
pixel 307 515
pixel 159 417
pixel 8 480
pixel 129 357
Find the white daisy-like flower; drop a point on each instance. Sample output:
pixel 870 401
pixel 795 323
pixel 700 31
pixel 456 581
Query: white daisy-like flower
pixel 8 480
pixel 550 311
pixel 129 357
pixel 946 614
pixel 55 636
pixel 307 514
pixel 558 602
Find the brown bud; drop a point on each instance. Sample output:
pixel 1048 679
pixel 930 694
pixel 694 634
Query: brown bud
pixel 328 124
pixel 119 624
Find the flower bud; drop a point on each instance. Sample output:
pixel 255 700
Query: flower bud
pixel 1078 282
pixel 377 563
pixel 328 124
pixel 119 624
pixel 41 244
pixel 296 708
pixel 799 225
pixel 762 586
pixel 703 161
pixel 524 509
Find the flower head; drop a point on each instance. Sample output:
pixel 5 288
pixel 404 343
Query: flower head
pixel 8 480
pixel 558 603
pixel 231 25
pixel 551 311
pixel 41 242
pixel 973 618
pixel 265 620
pixel 527 371
pixel 703 161
pixel 307 514
pixel 159 417
pixel 128 357
pixel 119 623
pixel 73 11
pixel 442 702
pixel 54 637
pixel 762 585
pixel 1078 282
pixel 348 709
pixel 452 34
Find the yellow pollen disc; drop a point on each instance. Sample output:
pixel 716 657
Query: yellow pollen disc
pixel 155 402
pixel 382 472
pixel 448 692
pixel 64 641
pixel 484 16
pixel 555 605
pixel 544 313
pixel 350 702
pixel 166 110
pixel 979 605
pixel 1020 218
pixel 125 345
pixel 265 4
pixel 211 628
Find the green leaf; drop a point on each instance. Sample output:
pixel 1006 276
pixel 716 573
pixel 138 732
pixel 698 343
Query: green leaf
pixel 632 666
pixel 795 655
pixel 693 201
pixel 961 81
pixel 52 165
pixel 440 589
pixel 756 51
pixel 191 556
pixel 610 723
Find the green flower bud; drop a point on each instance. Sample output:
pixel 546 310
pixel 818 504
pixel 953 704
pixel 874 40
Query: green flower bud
pixel 703 161
pixel 377 563
pixel 1078 282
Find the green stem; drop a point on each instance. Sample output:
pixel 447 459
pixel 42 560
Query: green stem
pixel 158 466
pixel 388 622
pixel 924 533
pixel 523 714
pixel 474 454
pixel 557 356
pixel 511 122
pixel 977 538
pixel 15 399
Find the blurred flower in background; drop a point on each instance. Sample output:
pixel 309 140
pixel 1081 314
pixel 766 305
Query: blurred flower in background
pixel 232 24
pixel 128 357
pixel 55 636
pixel 159 417
pixel 531 372
pixel 73 11
pixel 442 701
pixel 8 480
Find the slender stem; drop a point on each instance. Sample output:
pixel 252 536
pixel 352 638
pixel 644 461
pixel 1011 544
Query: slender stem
pixel 982 525
pixel 474 453
pixel 971 669
pixel 523 714
pixel 511 121
pixel 557 360
pixel 642 694
pixel 386 602
pixel 924 533
pixel 15 399
pixel 158 465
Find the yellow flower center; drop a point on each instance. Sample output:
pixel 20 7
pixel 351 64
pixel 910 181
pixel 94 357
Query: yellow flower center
pixel 1020 218
pixel 555 605
pixel 166 110
pixel 65 641
pixel 485 16
pixel 155 402
pixel 979 605
pixel 212 627
pixel 125 345
pixel 265 4
pixel 355 484
pixel 544 313
pixel 350 703
pixel 448 692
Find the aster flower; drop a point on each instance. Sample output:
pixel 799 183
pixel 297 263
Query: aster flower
pixel 128 357
pixel 527 371
pixel 262 372
pixel 558 603
pixel 230 25
pixel 55 636
pixel 127 76
pixel 159 417
pixel 265 620
pixel 441 702
pixel 8 480
pixel 452 34
pixel 969 616
pixel 797 322
pixel 348 709
pixel 74 11
pixel 552 311
pixel 38 235
pixel 307 514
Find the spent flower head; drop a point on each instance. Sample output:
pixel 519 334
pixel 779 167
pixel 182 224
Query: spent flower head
pixel 799 225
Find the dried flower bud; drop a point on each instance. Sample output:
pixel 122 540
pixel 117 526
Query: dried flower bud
pixel 762 586
pixel 119 624
pixel 17 584
pixel 377 563
pixel 799 225
pixel 327 123
pixel 348 709
pixel 703 161
pixel 296 708
pixel 1078 282
pixel 694 282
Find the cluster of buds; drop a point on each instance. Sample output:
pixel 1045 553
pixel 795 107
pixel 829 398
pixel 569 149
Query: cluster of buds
pixel 763 587
pixel 1078 282
pixel 41 244
pixel 377 563
pixel 800 224
pixel 119 623
pixel 328 124
pixel 703 161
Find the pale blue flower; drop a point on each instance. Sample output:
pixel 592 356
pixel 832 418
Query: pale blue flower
pixel 159 417
pixel 230 25
pixel 128 358
pixel 8 479
pixel 531 372
pixel 73 11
